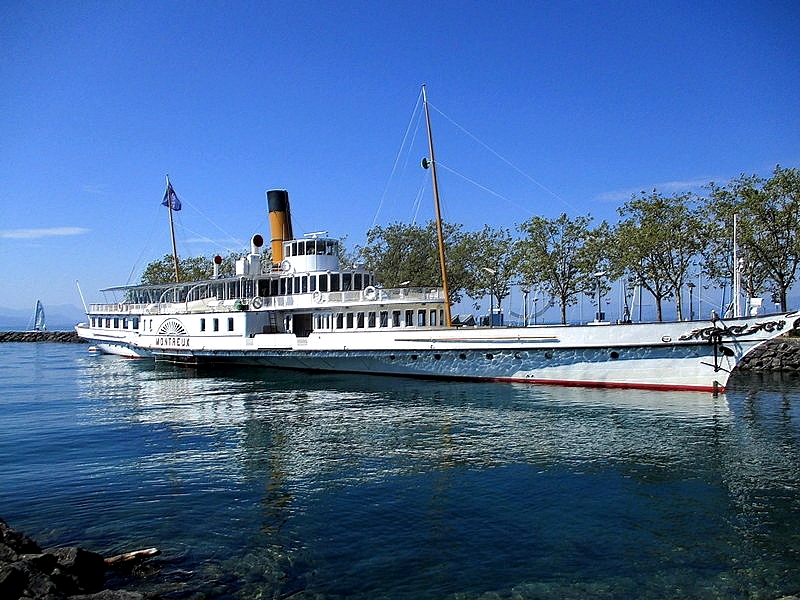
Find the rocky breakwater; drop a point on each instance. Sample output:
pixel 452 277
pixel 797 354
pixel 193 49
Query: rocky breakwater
pixel 41 336
pixel 27 571
pixel 781 354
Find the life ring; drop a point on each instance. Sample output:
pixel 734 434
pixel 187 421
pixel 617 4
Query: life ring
pixel 257 302
pixel 370 293
pixel 286 265
pixel 317 296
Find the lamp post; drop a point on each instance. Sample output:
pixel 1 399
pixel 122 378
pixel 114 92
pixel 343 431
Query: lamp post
pixel 525 292
pixel 690 285
pixel 535 311
pixel 600 315
pixel 491 272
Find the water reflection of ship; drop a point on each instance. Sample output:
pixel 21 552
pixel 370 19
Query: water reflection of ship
pixel 322 425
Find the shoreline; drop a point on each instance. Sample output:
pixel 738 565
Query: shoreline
pixel 64 337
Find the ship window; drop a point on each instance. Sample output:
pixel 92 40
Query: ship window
pixel 384 322
pixel 304 284
pixel 358 282
pixel 323 283
pixel 409 318
pixel 297 285
pixel 108 323
pixel 349 320
pixel 301 248
pixel 230 323
pixel 136 322
pixel 360 320
pixel 202 324
pixel 395 318
pixel 216 324
pixel 340 321
pixel 116 323
pixel 347 283
pixel 371 319
pixel 441 316
pixel 94 322
pixel 334 282
pixel 312 283
pixel 433 318
pixel 421 318
pixel 125 323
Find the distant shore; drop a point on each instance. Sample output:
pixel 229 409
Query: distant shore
pixel 69 337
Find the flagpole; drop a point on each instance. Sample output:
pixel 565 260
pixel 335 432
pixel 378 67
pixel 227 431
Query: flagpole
pixel 172 231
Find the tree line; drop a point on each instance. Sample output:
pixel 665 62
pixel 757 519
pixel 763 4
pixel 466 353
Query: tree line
pixel 656 243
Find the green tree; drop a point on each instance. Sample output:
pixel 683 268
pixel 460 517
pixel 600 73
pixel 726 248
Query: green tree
pixel 768 230
pixel 192 268
pixel 403 254
pixel 553 255
pixel 488 257
pixel 657 242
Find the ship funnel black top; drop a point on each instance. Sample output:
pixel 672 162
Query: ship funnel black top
pixel 280 222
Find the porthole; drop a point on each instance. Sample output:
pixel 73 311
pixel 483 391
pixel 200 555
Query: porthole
pixel 414 357
pixel 548 354
pixel 391 357
pixel 489 355
pixel 614 355
pixel 437 356
pixel 517 355
pixel 462 356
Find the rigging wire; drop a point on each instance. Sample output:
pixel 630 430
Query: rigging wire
pixel 484 188
pixel 505 160
pixel 418 200
pixel 414 114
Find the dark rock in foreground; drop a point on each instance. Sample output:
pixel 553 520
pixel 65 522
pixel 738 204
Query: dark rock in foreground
pixel 781 354
pixel 27 571
pixel 41 336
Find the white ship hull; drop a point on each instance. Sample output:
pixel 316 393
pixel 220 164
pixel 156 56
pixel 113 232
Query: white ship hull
pixel 662 356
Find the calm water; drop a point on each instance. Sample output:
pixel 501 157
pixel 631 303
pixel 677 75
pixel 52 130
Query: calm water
pixel 325 486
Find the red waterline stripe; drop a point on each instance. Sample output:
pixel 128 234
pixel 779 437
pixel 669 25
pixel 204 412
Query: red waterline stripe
pixel 659 387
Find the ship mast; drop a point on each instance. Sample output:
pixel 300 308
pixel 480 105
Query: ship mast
pixel 439 233
pixel 168 195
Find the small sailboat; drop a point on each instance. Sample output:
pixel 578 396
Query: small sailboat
pixel 37 323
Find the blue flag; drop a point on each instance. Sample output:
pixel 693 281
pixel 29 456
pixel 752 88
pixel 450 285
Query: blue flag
pixel 171 198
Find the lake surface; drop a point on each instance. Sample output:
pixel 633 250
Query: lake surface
pixel 279 484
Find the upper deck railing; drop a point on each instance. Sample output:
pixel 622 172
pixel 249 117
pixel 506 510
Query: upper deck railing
pixel 312 300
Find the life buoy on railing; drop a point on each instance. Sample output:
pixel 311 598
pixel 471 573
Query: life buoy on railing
pixel 257 302
pixel 286 265
pixel 370 293
pixel 317 296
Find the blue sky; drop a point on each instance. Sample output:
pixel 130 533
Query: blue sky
pixel 538 108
